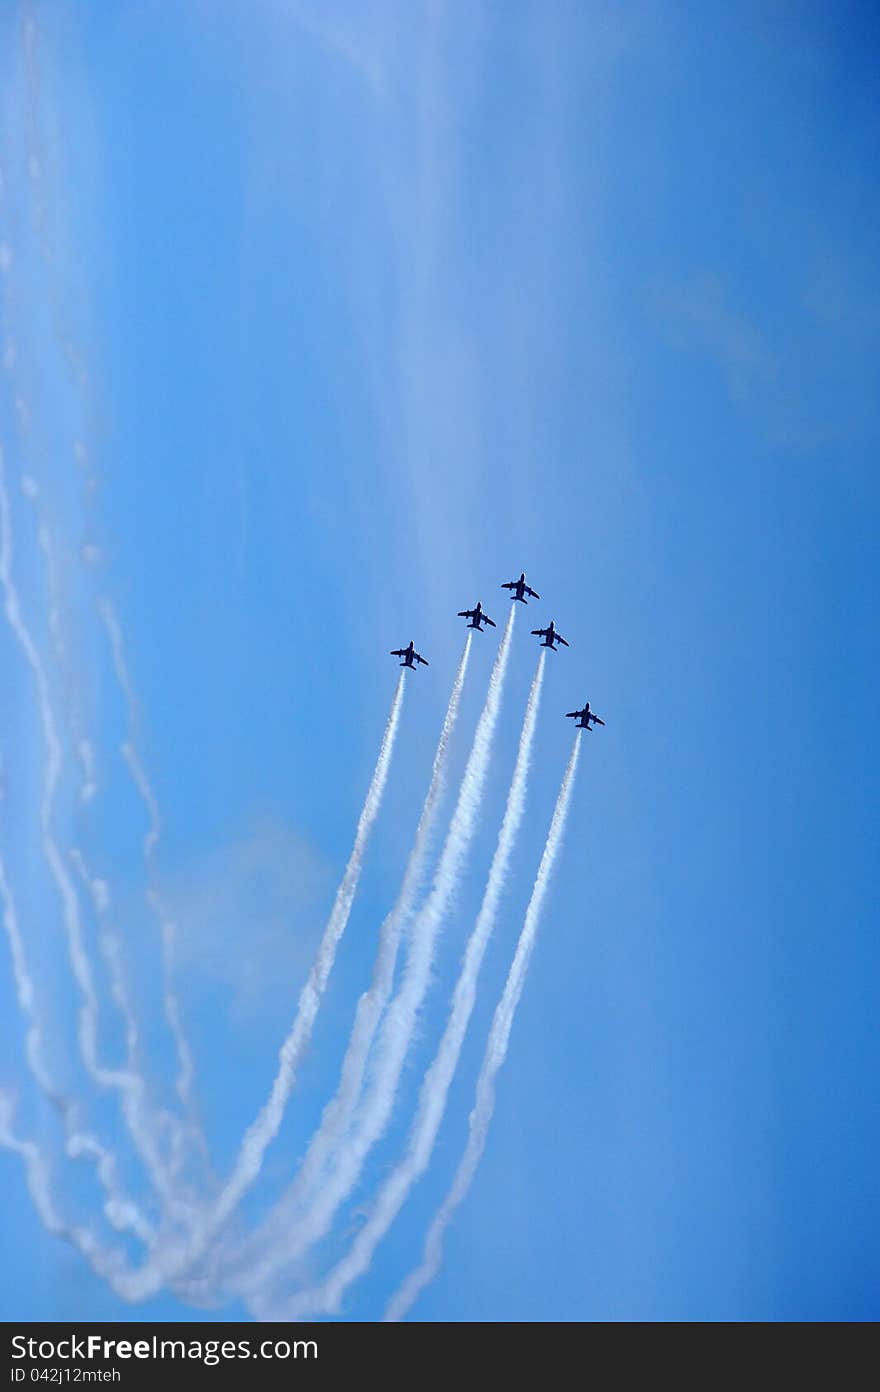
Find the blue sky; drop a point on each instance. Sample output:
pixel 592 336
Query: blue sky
pixel 327 319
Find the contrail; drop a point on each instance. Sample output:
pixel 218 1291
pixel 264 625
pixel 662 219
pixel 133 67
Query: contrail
pixel 139 1119
pixel 177 1253
pixel 108 1264
pixel 496 1050
pixel 78 1144
pixel 79 960
pixel 400 1019
pixel 131 1081
pixel 84 748
pixel 171 1004
pixel 265 1127
pixel 337 1114
pixel 438 1078
pixel 52 743
pixel 99 894
pixel 128 1081
pixel 26 995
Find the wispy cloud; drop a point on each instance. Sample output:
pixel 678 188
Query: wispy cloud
pixel 699 313
pixel 803 379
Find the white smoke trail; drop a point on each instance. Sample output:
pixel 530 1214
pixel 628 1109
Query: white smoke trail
pixel 78 1144
pixel 139 1117
pixel 496 1051
pixel 131 1081
pixel 111 950
pixel 131 1084
pixel 337 1114
pixel 108 1264
pixel 399 1023
pixel 26 995
pixel 120 1211
pixel 52 744
pixel 264 1128
pixel 129 749
pixel 175 1254
pixel 79 960
pixel 438 1078
pixel 84 748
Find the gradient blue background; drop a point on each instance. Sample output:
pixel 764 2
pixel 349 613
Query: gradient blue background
pixel 380 303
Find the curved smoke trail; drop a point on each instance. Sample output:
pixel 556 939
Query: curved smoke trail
pixel 131 1085
pixel 496 1051
pixel 106 1263
pixel 337 1114
pixel 438 1078
pixel 85 751
pixel 77 1144
pixel 37 166
pixel 174 1255
pixel 140 1117
pixel 399 1023
pixel 263 1130
pixel 171 1004
pixel 79 960
pixel 130 1081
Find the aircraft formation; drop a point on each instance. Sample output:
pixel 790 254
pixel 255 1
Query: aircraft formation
pixel 476 617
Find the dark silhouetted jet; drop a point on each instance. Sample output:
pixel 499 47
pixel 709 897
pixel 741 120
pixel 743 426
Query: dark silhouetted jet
pixel 476 617
pixel 583 717
pixel 409 655
pixel 549 637
pixel 520 588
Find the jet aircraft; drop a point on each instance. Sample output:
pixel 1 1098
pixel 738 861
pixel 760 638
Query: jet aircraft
pixel 409 655
pixel 583 717
pixel 549 637
pixel 476 617
pixel 520 588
